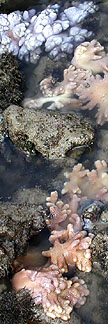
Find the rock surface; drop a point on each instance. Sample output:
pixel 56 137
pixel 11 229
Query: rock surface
pixel 18 308
pixel 18 222
pixel 11 81
pixel 50 133
pixel 99 248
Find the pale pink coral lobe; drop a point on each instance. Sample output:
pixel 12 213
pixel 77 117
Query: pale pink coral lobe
pixel 91 56
pixel 57 294
pixel 72 252
pixel 88 184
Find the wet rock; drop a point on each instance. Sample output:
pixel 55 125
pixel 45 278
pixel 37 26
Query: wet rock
pixel 11 81
pixel 99 247
pixel 95 309
pixel 15 308
pixel 18 222
pixel 50 133
pixel 19 308
pixel 30 196
pixel 90 212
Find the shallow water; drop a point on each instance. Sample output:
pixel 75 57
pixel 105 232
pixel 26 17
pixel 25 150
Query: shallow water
pixel 18 171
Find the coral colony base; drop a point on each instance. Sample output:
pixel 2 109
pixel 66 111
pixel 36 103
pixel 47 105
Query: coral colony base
pixel 82 88
pixel 24 33
pixel 71 245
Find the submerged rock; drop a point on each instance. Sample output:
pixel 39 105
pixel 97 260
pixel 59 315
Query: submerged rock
pixel 99 248
pixel 50 133
pixel 18 222
pixel 95 309
pixel 11 81
pixel 90 212
pixel 19 308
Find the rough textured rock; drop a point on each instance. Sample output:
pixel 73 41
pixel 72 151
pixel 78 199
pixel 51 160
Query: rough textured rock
pixel 11 81
pixel 19 308
pixel 50 133
pixel 18 222
pixel 95 309
pixel 99 248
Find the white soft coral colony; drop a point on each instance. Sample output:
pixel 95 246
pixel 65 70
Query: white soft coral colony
pixel 23 33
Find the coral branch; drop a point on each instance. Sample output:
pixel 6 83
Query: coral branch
pixel 96 94
pixel 63 214
pixel 74 251
pixel 90 184
pixel 91 56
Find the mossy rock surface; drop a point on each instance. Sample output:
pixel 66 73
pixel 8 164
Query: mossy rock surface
pixel 11 81
pixel 50 133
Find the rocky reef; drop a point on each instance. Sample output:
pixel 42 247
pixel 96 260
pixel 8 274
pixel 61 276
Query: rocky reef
pixel 24 33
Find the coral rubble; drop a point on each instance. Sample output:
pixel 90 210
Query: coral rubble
pixel 23 33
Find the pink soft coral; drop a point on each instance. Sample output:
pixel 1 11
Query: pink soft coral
pixel 91 56
pixel 63 213
pixel 57 95
pixel 56 294
pixel 88 184
pixel 95 93
pixel 75 251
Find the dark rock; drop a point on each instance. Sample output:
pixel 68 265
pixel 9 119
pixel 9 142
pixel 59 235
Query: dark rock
pixel 11 81
pixel 99 247
pixel 95 309
pixel 19 308
pixel 10 5
pixel 90 212
pixel 18 222
pixel 50 133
